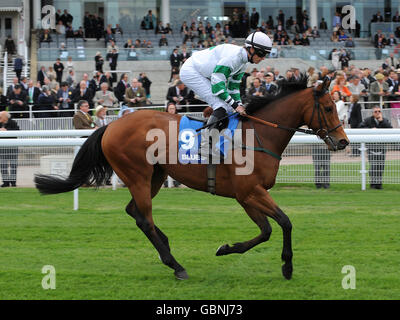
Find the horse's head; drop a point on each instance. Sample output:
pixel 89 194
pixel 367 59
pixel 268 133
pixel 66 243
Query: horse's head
pixel 322 117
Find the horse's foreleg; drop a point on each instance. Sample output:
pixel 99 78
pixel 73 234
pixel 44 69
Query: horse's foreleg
pixel 260 199
pixel 241 247
pixel 156 237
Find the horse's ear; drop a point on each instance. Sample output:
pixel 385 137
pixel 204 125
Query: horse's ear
pixel 323 85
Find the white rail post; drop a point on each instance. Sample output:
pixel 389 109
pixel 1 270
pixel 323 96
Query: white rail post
pixel 363 170
pixel 114 181
pixel 170 182
pixel 76 191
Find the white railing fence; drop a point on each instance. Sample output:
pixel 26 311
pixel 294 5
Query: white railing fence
pixel 52 152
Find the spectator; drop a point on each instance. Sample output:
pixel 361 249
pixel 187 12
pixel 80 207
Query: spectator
pixel 45 37
pixel 51 74
pixel 337 20
pixel 377 17
pixel 180 95
pixel 392 61
pixel 315 32
pixel 64 99
pixel 146 83
pixel 83 92
pixel 108 78
pixel 341 87
pixel 99 61
pixel 396 17
pixel 118 29
pixel 354 112
pixel 184 55
pixel 379 88
pixel 304 40
pixel 112 46
pixel 257 89
pixel 8 155
pixel 113 59
pixel 105 97
pixel 175 61
pixel 160 29
pixel 323 25
pixel 121 87
pixel 59 68
pixel 341 108
pixel 168 29
pixel 100 116
pixel 18 64
pixel 297 40
pixel 312 77
pixel 163 41
pixel 82 118
pixel 334 37
pixel 254 19
pixel 66 18
pixel 376 151
pixel 42 74
pixel 46 102
pixel 356 87
pixel 3 100
pixel 135 96
pixel 270 87
pixel 9 44
pixel 354 118
pixel 32 93
pixel 321 157
pixel 149 21
pixel 70 64
pixel 18 100
pixel 335 58
pixel 391 41
pixel 344 58
pixel 125 111
pixel 71 79
pixel 60 28
pixel 171 108
pixel 342 36
pixel 250 78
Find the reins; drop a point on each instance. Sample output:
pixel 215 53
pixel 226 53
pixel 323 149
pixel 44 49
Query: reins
pixel 321 118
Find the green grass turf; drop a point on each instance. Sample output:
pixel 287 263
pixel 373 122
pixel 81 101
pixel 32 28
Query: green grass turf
pixel 99 253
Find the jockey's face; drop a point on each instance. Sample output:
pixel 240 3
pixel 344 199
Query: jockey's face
pixel 256 58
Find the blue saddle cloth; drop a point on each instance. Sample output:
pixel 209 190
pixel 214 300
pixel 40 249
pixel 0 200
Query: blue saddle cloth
pixel 190 140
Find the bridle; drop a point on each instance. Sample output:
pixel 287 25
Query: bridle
pixel 322 132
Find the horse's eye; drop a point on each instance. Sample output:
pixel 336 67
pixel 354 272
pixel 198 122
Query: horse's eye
pixel 328 109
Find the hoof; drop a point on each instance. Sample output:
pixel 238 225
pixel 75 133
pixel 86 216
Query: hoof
pixel 181 275
pixel 287 270
pixel 222 250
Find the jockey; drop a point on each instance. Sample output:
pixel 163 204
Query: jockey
pixel 215 74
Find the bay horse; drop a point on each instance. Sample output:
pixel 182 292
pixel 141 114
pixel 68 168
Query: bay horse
pixel 121 147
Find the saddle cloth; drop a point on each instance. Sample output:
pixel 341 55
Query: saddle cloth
pixel 190 140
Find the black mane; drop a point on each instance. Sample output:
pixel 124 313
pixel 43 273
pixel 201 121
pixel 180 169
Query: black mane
pixel 285 88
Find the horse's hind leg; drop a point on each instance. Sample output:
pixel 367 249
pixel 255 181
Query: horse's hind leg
pixel 260 199
pixel 156 237
pixel 241 247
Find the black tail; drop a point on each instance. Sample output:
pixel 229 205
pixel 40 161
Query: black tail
pixel 90 166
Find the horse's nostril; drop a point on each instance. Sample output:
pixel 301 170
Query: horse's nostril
pixel 344 142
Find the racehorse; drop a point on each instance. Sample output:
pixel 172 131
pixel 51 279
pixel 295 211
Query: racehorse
pixel 121 147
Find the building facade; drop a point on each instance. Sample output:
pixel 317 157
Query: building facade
pixel 130 13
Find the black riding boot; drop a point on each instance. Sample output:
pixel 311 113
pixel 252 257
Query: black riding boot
pixel 206 138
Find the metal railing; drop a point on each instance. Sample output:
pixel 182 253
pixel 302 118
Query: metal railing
pixel 52 152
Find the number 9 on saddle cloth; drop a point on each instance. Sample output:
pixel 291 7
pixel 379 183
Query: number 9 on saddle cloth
pixel 189 140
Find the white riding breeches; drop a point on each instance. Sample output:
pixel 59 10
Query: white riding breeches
pixel 201 86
